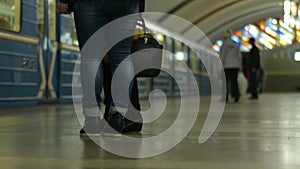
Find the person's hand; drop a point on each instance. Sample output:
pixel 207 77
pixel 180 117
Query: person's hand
pixel 62 8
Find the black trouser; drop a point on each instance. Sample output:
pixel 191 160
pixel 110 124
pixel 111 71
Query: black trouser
pixel 134 95
pixel 133 109
pixel 90 16
pixel 253 84
pixel 231 83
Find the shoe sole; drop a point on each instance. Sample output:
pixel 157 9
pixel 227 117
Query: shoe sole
pixel 111 134
pixel 89 134
pixel 135 127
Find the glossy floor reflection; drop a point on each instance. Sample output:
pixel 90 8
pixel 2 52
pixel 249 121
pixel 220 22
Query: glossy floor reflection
pixel 261 134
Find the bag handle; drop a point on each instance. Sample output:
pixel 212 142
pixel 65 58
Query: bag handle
pixel 143 25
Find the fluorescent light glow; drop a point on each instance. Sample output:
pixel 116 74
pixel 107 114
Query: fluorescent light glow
pixel 247 28
pixel 293 8
pixel 160 37
pixel 220 43
pixel 292 22
pixel 271 32
pixel 274 21
pixel 216 48
pixel 297 24
pixel 287 6
pixel 297 56
pixel 286 26
pixel 253 30
pixel 268 38
pixel 266 43
pixel 287 40
pixel 282 42
pixel 236 39
pixel 286 33
pixel 179 56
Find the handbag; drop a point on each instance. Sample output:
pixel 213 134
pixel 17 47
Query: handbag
pixel 149 54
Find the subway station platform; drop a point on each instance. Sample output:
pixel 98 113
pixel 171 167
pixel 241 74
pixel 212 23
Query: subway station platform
pixel 252 134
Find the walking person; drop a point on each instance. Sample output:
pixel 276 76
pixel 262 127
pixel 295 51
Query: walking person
pixel 91 15
pixel 231 59
pixel 254 66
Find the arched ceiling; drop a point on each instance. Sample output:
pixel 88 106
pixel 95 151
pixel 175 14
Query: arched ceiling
pixel 213 17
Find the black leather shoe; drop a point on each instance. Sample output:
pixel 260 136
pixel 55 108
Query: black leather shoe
pixel 133 120
pixel 106 112
pixel 236 100
pixel 92 126
pixel 132 126
pixel 115 125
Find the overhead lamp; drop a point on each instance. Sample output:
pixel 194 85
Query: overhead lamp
pixel 290 12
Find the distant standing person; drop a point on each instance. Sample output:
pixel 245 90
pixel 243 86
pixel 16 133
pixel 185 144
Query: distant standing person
pixel 231 58
pixel 254 66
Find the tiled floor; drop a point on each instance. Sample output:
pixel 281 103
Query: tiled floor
pixel 252 134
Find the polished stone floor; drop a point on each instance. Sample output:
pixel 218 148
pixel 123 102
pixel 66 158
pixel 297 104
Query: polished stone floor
pixel 252 134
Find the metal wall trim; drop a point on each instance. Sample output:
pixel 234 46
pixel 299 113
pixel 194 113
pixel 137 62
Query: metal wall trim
pixel 68 47
pixel 70 73
pixel 18 69
pixel 19 38
pixel 16 54
pixel 71 97
pixel 43 74
pixel 17 98
pixel 51 72
pixel 17 84
pixel 69 85
pixel 70 61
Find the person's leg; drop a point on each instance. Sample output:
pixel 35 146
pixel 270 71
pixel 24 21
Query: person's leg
pixel 119 52
pixel 253 85
pixel 227 76
pixel 98 84
pixel 230 74
pixel 88 21
pixel 121 86
pixel 234 85
pixel 121 91
pixel 134 111
pixel 134 97
pixel 107 87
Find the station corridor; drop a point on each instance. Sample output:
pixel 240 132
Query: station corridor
pixel 252 134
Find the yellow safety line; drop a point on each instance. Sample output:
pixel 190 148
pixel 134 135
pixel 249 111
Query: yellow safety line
pixel 43 74
pixel 50 80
